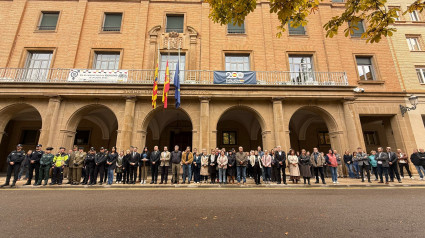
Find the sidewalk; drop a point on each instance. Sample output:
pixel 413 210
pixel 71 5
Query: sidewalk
pixel 343 182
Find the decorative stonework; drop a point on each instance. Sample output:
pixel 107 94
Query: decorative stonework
pixel 173 40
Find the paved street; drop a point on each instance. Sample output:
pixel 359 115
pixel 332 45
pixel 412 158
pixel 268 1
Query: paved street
pixel 212 212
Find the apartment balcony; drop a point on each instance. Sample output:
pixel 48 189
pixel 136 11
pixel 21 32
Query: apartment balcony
pixel 146 77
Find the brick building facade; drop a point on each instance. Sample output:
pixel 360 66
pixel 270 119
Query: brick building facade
pixel 304 95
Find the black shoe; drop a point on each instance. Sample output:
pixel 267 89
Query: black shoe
pixel 36 184
pixel 69 182
pixel 399 181
pixel 324 182
pixel 4 185
pixel 51 183
pixel 369 181
pixel 161 182
pixel 152 182
pixel 28 183
pixel 362 181
pixel 316 182
pixel 12 185
pixel 59 183
pixel 44 184
pixel 100 183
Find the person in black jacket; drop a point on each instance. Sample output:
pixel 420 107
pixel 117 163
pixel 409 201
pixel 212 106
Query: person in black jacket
pixel 111 163
pixel 133 161
pixel 90 167
pixel 14 160
pixel 126 167
pixel 280 163
pixel 144 165
pixel 393 165
pixel 100 160
pixel 34 163
pixel 348 160
pixel 416 161
pixel 154 160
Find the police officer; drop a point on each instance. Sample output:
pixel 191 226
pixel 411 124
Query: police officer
pixel 34 164
pixel 90 166
pixel 14 160
pixel 100 160
pixel 45 165
pixel 77 163
pixel 58 165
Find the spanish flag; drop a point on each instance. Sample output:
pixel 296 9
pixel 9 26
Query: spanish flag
pixel 155 86
pixel 166 86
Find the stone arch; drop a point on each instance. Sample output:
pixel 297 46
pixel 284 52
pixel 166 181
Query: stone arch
pixel 248 125
pixel 78 114
pixel 8 112
pixel 330 121
pixel 144 125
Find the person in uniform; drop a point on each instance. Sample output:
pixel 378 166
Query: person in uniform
pixel 34 164
pixel 100 160
pixel 14 160
pixel 165 164
pixel 69 165
pixel 45 165
pixel 90 167
pixel 58 165
pixel 77 165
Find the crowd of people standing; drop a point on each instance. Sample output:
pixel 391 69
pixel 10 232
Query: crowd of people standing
pixel 218 166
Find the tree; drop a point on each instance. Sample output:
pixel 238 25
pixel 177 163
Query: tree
pixel 375 13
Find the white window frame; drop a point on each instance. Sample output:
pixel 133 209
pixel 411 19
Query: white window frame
pixel 415 16
pixel 172 63
pixel 37 68
pixel 101 54
pixel 305 73
pixel 420 71
pixel 413 43
pixel 363 66
pixel 232 64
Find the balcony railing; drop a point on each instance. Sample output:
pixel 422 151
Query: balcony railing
pixel 202 77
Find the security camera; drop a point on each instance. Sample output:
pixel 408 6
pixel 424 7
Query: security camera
pixel 359 90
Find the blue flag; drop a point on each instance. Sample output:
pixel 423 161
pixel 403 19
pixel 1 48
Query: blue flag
pixel 177 85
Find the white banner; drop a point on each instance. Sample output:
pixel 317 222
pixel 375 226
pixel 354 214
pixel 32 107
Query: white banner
pixel 106 76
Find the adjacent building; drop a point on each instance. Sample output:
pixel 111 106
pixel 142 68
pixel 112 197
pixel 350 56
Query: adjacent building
pixel 81 72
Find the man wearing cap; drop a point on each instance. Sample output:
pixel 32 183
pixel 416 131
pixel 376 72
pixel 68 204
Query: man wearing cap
pixel 90 167
pixel 100 160
pixel 34 164
pixel 45 165
pixel 14 160
pixel 77 165
pixel 58 165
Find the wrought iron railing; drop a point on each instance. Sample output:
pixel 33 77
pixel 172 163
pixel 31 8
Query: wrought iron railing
pixel 203 77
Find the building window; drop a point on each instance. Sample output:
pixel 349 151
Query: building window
pixel 175 23
pixel 413 42
pixel 229 137
pixel 236 29
pixel 300 30
pixel 301 67
pixel 29 137
pixel 365 68
pixel 338 0
pixel 370 138
pixel 415 16
pixel 82 137
pixel 359 31
pixel 38 64
pixel 237 63
pixel 397 12
pixel 172 64
pixel 420 71
pixel 324 138
pixel 48 21
pixel 112 22
pixel 106 60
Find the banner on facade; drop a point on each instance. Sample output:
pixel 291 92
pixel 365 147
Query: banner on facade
pixel 229 77
pixel 101 76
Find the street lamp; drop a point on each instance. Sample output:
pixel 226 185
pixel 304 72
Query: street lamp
pixel 414 101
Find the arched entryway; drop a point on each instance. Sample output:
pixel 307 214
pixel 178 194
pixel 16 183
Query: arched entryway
pixel 19 124
pixel 311 127
pixel 240 126
pixel 93 126
pixel 168 127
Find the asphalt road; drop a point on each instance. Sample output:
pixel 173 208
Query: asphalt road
pixel 185 212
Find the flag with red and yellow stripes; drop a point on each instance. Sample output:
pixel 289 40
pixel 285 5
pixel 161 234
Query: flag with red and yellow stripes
pixel 166 86
pixel 155 86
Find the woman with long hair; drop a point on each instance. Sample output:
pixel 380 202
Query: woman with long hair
pixel 119 167
pixel 111 163
pixel 294 170
pixel 333 164
pixel 144 165
pixel 305 166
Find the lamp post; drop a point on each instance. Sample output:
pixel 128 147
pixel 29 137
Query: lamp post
pixel 413 101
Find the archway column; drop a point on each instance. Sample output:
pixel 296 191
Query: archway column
pixel 67 140
pixel 278 124
pixel 140 138
pixel 47 132
pixel 353 126
pixel 124 134
pixel 1 135
pixel 267 140
pixel 204 142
